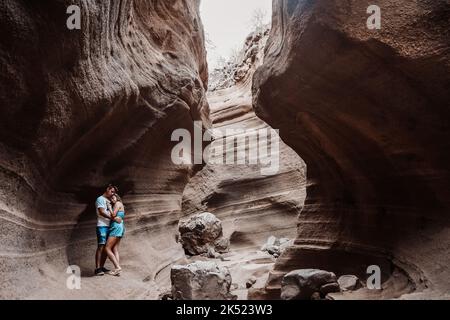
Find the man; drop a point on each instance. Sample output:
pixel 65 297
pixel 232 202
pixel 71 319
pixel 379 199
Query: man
pixel 102 205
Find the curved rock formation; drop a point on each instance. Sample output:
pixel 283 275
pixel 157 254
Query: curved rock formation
pixel 81 108
pixel 251 205
pixel 368 112
pixel 366 109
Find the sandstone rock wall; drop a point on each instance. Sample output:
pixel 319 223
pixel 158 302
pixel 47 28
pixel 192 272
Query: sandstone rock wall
pixel 82 108
pixel 251 205
pixel 366 109
pixel 368 112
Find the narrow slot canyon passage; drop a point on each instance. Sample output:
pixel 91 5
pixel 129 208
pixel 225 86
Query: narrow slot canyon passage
pixel 252 206
pixel 361 156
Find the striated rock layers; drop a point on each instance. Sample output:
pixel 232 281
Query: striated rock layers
pixel 368 112
pixel 251 203
pixel 81 108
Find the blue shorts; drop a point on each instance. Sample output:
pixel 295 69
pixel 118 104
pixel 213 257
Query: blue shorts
pixel 102 235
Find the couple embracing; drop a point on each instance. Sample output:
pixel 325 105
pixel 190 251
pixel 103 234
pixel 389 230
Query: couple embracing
pixel 110 230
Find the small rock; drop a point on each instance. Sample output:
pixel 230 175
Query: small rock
pixel 348 282
pixel 222 245
pixel 250 282
pixel 330 288
pixel 166 296
pixel 211 254
pixel 271 241
pixel 273 250
pixel 316 296
pixel 301 284
pixel 275 246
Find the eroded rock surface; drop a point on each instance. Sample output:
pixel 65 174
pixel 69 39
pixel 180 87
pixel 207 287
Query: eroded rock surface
pixel 367 110
pixel 240 66
pixel 201 281
pixel 252 205
pixel 80 109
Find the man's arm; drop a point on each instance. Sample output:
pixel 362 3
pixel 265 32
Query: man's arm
pixel 103 213
pixel 110 209
pixel 114 213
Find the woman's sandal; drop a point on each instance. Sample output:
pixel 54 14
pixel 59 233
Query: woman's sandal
pixel 116 272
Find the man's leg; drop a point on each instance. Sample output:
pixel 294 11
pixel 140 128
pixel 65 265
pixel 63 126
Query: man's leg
pixel 103 257
pixel 99 256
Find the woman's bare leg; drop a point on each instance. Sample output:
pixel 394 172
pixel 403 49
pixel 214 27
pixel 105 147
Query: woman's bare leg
pixel 116 250
pixel 108 248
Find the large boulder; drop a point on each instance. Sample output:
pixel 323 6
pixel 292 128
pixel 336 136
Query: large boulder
pixel 202 234
pixel 304 283
pixel 201 281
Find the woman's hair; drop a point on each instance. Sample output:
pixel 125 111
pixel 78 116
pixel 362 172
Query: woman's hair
pixel 118 197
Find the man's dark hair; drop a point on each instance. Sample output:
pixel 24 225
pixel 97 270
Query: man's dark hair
pixel 111 186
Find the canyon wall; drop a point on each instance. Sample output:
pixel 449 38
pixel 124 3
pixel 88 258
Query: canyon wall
pixel 253 202
pixel 366 109
pixel 368 112
pixel 80 109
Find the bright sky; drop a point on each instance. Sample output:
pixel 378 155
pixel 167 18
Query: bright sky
pixel 228 22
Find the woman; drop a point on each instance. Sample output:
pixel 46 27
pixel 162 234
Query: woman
pixel 116 233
